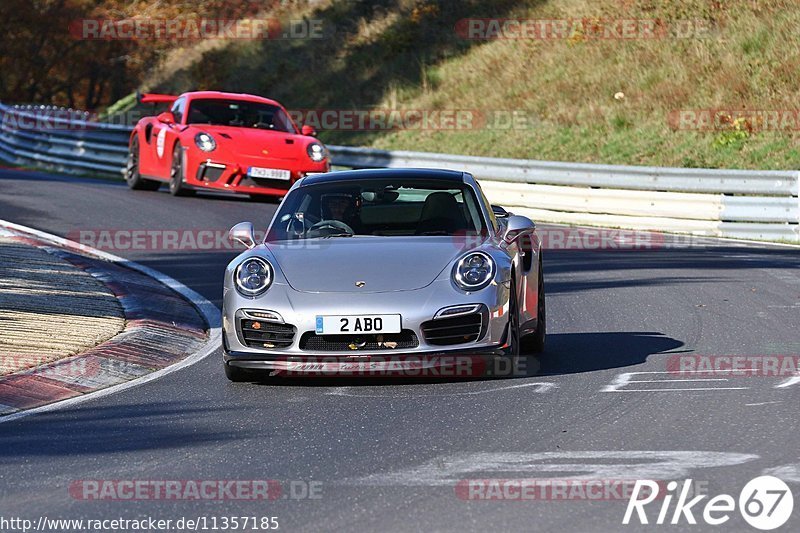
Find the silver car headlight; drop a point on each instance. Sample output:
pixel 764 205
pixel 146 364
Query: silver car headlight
pixel 253 276
pixel 205 142
pixel 474 271
pixel 316 152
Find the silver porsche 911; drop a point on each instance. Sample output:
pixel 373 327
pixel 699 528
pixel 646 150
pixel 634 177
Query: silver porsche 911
pixel 367 266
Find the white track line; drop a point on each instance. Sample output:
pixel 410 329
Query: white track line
pixel 541 388
pixel 208 311
pixel 624 379
pixel 679 390
pixel 677 380
pixel 794 380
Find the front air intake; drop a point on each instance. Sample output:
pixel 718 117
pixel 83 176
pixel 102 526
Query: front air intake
pixel 453 330
pixel 265 334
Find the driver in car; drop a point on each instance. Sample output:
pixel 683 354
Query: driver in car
pixel 342 207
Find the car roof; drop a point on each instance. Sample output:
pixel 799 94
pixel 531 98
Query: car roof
pixel 196 95
pixel 389 173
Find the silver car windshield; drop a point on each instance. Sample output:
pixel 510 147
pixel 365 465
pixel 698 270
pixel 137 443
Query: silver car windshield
pixel 378 207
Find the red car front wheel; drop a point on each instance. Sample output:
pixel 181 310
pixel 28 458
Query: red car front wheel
pixel 177 187
pixel 133 177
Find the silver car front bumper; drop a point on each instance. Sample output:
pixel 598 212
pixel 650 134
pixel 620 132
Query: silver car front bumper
pixel 416 307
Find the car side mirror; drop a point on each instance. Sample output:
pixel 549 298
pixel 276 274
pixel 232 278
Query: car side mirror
pixel 243 233
pixel 308 130
pixel 516 227
pixel 166 118
pixel 500 212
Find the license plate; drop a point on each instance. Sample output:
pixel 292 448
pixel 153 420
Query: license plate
pixel 350 324
pixel 270 173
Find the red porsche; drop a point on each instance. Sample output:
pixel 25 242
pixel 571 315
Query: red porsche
pixel 211 140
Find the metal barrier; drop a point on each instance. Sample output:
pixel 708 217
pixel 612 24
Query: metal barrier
pixel 58 139
pixel 727 203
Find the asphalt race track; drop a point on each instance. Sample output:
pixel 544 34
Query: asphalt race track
pixel 388 455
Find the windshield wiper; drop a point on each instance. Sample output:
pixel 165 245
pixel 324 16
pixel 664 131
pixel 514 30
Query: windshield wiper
pixel 342 234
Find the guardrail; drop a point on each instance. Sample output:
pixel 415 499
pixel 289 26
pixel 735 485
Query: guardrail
pixel 727 203
pixel 59 139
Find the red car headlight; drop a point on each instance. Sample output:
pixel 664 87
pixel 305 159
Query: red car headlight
pixel 205 142
pixel 316 152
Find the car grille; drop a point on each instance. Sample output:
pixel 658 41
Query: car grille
pixel 453 330
pixel 264 334
pixel 350 343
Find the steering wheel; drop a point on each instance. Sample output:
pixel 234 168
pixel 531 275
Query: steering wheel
pixel 331 224
pixel 296 225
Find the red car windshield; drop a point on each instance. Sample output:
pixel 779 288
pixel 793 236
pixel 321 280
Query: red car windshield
pixel 240 114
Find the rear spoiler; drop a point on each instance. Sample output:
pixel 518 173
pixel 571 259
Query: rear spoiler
pixel 152 98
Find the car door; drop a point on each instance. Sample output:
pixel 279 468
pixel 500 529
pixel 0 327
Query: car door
pixel 161 139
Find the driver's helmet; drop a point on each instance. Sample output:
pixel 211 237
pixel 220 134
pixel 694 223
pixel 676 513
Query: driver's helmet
pixel 339 206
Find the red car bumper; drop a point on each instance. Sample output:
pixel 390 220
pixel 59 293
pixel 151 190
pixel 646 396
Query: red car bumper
pixel 210 173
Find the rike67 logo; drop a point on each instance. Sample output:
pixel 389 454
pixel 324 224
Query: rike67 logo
pixel 765 503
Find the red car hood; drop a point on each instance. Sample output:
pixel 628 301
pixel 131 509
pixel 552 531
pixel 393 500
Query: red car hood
pixel 256 142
